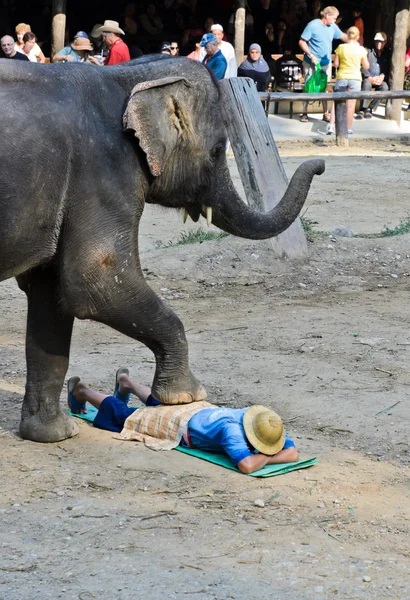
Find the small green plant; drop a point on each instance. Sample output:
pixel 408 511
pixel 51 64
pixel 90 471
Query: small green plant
pixel 197 236
pixel 308 228
pixel 402 227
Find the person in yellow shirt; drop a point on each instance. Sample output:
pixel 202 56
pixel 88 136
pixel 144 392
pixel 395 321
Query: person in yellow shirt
pixel 349 58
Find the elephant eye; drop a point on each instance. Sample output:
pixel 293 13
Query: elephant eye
pixel 215 152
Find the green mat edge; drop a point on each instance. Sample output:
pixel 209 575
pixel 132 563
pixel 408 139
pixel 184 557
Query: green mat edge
pixel 267 471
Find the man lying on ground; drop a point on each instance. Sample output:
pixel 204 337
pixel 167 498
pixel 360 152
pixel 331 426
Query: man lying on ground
pixel 252 437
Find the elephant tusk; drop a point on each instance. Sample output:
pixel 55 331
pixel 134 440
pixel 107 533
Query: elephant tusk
pixel 209 215
pixel 186 215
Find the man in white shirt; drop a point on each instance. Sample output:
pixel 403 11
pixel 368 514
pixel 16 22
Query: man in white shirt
pixel 227 50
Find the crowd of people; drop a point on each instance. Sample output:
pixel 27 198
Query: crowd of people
pixel 274 29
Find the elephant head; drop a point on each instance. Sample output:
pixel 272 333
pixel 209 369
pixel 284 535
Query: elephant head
pixel 179 125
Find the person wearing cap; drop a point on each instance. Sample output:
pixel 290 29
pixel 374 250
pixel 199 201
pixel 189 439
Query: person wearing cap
pixel 226 49
pixel 21 30
pixel 118 50
pixel 165 48
pixel 213 58
pixel 377 75
pixel 252 437
pixel 78 51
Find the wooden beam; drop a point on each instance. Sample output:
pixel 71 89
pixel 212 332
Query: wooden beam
pixel 58 26
pixel 259 164
pixel 393 108
pixel 342 138
pixel 240 18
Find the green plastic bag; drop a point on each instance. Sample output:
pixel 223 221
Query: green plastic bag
pixel 317 82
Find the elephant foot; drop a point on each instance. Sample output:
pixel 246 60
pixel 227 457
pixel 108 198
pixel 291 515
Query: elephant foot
pixel 169 397
pixel 62 427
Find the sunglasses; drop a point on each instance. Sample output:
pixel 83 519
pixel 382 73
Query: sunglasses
pixel 174 47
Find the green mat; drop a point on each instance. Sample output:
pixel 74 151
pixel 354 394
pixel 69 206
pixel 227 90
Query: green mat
pixel 222 459
pixel 268 471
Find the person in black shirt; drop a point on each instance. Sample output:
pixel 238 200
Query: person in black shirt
pixel 256 68
pixel 377 75
pixel 9 51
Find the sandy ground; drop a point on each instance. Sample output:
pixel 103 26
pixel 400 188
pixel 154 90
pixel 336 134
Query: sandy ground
pixel 326 343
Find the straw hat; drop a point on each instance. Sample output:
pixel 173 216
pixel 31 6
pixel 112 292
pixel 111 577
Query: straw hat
pixel 111 27
pixel 82 44
pixel 264 429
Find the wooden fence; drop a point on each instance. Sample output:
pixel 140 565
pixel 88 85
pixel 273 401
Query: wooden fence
pixel 339 99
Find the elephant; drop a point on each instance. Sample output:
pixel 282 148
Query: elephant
pixel 83 148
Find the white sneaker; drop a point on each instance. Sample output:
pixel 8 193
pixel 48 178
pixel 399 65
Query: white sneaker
pixel 329 129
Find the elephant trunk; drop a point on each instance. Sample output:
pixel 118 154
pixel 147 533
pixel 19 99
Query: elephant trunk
pixel 233 216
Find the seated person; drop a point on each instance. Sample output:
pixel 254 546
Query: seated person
pixel 252 437
pixel 21 30
pixel 78 51
pixel 377 75
pixel 255 67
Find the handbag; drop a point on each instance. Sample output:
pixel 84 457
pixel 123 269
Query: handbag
pixel 317 82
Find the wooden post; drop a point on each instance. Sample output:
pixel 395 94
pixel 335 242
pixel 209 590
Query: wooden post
pixel 58 26
pixel 260 167
pixel 342 138
pixel 393 108
pixel 240 18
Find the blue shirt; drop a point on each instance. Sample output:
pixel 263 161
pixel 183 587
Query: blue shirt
pixel 68 51
pixel 217 63
pixel 221 430
pixel 319 38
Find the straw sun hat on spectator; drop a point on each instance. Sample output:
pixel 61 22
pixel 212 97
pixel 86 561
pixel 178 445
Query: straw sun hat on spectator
pixel 111 27
pixel 23 28
pixel 264 429
pixel 82 44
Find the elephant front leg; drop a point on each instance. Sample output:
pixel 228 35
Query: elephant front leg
pixel 128 304
pixel 47 353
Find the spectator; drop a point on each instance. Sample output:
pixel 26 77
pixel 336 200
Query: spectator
pixel 358 22
pixel 150 21
pixel 268 43
pixel 117 49
pixel 174 49
pixel 227 50
pixel 29 43
pixel 376 75
pixel 69 53
pixel 194 55
pixel 21 29
pixel 349 58
pixel 316 43
pixel 9 50
pixel 255 67
pixel 214 57
pixel 165 48
pixel 208 24
pixel 96 38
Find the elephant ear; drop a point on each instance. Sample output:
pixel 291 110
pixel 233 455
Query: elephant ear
pixel 155 112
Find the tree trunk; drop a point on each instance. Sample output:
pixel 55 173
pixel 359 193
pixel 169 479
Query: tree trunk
pixel 393 108
pixel 240 17
pixel 58 26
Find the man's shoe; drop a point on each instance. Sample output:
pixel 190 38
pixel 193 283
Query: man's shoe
pixel 329 129
pixel 360 115
pixel 304 118
pixel 368 114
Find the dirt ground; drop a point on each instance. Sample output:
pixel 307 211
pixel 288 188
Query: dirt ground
pixel 326 343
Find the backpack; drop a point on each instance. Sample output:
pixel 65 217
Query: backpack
pixel 317 82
